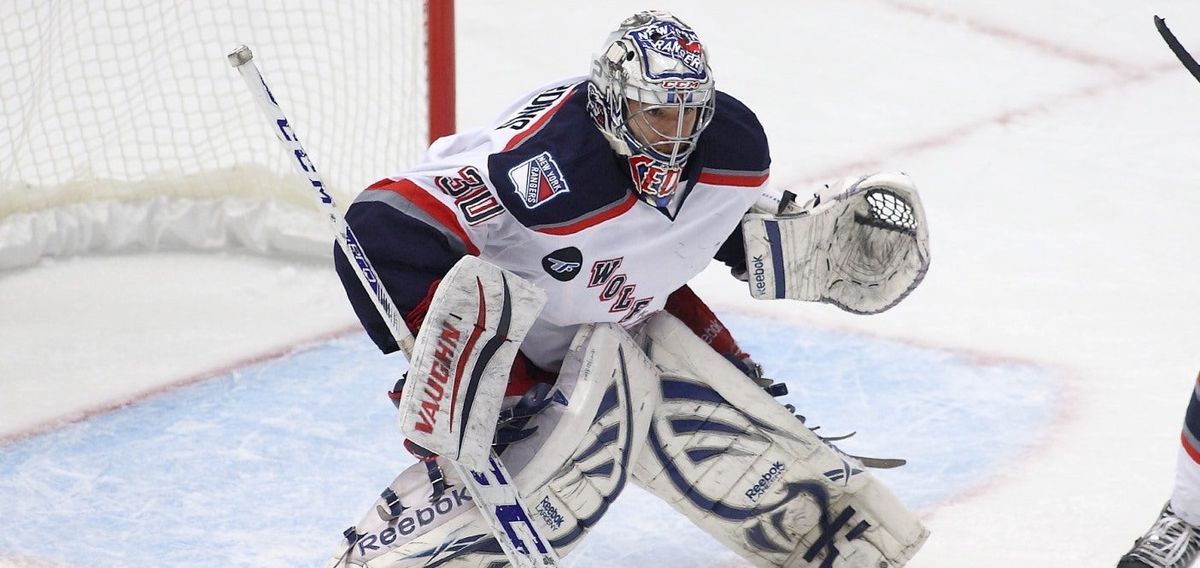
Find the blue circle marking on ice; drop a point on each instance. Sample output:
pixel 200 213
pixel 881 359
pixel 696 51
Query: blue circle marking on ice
pixel 270 463
pixel 953 418
pixel 265 466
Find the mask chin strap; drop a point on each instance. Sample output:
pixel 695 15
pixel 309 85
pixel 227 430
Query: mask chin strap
pixel 663 202
pixel 654 180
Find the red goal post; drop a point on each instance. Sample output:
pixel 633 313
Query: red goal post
pixel 124 128
pixel 440 67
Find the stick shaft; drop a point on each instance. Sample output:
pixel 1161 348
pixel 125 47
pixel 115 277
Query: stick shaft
pixel 1185 58
pixel 496 497
pixel 242 59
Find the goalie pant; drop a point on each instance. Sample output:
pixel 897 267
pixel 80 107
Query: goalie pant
pixel 1185 494
pixel 710 443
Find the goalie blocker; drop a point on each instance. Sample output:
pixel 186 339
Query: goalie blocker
pixel 462 358
pixel 862 245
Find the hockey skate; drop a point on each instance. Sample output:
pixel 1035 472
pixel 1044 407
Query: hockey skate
pixel 1170 543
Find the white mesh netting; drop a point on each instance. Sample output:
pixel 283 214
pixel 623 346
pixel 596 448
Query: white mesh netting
pixel 124 127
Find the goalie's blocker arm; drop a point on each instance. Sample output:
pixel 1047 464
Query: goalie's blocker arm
pixel 862 245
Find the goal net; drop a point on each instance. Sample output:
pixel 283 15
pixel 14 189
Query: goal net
pixel 124 127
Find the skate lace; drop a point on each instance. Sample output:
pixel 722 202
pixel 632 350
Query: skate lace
pixel 1170 542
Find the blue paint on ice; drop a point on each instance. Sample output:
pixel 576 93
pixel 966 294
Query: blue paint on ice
pixel 267 465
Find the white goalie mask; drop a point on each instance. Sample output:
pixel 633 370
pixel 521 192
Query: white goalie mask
pixel 651 94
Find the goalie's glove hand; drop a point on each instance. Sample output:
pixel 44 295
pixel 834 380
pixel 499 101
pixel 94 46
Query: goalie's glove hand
pixel 861 244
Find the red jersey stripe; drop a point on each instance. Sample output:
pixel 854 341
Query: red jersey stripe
pixel 736 180
pixel 536 126
pixel 1187 447
pixel 591 221
pixel 430 205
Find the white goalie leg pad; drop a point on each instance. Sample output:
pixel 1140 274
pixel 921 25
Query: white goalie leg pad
pixel 462 359
pixel 738 464
pixel 580 459
pixel 407 527
pixel 862 245
pixel 570 470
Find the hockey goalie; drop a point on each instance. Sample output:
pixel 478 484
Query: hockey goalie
pixel 587 206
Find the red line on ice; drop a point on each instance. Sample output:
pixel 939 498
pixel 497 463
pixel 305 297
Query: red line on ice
pixel 170 386
pixel 1033 42
pixel 1126 74
pixel 959 133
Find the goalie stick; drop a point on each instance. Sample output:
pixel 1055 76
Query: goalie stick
pixel 1184 57
pixel 496 498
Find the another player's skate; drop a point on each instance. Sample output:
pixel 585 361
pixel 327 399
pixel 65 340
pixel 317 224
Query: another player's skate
pixel 1170 543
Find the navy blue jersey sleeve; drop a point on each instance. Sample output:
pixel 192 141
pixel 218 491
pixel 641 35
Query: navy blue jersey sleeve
pixel 735 141
pixel 559 170
pixel 408 255
pixel 733 251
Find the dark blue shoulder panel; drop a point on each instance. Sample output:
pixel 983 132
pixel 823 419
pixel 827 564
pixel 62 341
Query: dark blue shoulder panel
pixel 562 170
pixel 734 140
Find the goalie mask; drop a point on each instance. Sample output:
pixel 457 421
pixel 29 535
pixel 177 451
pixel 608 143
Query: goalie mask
pixel 651 94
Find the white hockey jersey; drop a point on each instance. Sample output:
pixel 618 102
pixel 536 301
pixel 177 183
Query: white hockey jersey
pixel 541 193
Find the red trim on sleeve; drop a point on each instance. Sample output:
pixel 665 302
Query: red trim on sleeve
pixel 536 126
pixel 593 220
pixel 733 180
pixel 429 204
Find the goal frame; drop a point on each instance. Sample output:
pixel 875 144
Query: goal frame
pixel 439 67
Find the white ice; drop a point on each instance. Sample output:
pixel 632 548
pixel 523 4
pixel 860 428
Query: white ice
pixel 1054 143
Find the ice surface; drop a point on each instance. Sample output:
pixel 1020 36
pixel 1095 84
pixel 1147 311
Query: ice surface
pixel 1055 146
pixel 269 463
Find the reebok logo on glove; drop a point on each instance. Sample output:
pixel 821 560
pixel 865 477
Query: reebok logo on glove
pixel 760 275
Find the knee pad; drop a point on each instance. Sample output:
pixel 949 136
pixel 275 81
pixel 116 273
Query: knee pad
pixel 743 468
pixel 579 460
pixel 576 462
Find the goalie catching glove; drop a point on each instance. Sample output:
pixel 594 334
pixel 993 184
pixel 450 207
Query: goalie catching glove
pixel 862 245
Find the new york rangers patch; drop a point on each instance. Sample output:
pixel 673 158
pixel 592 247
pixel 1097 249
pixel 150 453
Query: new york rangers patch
pixel 537 180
